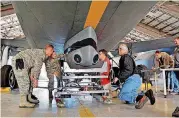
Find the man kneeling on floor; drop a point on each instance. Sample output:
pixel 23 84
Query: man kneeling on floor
pixel 105 82
pixel 131 80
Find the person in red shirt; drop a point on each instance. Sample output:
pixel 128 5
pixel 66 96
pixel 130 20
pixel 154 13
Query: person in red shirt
pixel 105 82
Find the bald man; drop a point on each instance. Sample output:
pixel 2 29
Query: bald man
pixel 130 79
pixel 27 65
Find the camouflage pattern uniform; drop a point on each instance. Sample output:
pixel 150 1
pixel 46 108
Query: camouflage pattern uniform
pixel 52 66
pixel 33 60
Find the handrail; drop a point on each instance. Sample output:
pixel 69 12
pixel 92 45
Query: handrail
pixel 170 69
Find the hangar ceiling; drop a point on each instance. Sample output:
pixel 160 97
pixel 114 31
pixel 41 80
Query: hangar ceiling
pixel 10 27
pixel 162 21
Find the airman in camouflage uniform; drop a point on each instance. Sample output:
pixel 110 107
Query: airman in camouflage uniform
pixel 27 65
pixel 53 67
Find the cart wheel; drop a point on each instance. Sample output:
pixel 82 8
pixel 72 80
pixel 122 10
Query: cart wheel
pixel 165 96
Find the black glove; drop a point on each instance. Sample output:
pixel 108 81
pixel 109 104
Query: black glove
pixel 19 64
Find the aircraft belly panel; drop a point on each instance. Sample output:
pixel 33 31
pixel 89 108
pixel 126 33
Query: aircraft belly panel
pixel 127 15
pixel 45 22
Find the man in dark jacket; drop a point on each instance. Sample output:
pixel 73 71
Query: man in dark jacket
pixel 131 81
pixel 176 56
pixel 176 59
pixel 176 63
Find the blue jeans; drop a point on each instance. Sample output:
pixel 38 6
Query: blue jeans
pixel 173 82
pixel 175 79
pixel 177 72
pixel 129 89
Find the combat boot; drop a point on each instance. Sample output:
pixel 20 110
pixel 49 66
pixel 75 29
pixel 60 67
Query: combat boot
pixel 176 112
pixel 34 101
pixel 24 103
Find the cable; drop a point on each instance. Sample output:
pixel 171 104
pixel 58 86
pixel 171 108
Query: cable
pixel 73 86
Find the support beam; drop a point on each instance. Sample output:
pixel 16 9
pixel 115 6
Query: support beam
pixel 15 43
pixel 7 10
pixel 153 44
pixel 151 31
pixel 171 8
pixel 5 56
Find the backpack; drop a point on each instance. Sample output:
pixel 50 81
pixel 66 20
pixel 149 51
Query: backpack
pixel 145 75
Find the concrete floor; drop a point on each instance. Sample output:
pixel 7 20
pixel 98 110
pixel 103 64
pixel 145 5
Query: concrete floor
pixel 80 108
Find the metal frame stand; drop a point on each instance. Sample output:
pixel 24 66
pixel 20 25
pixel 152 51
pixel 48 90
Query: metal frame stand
pixel 164 80
pixel 155 78
pixel 72 81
